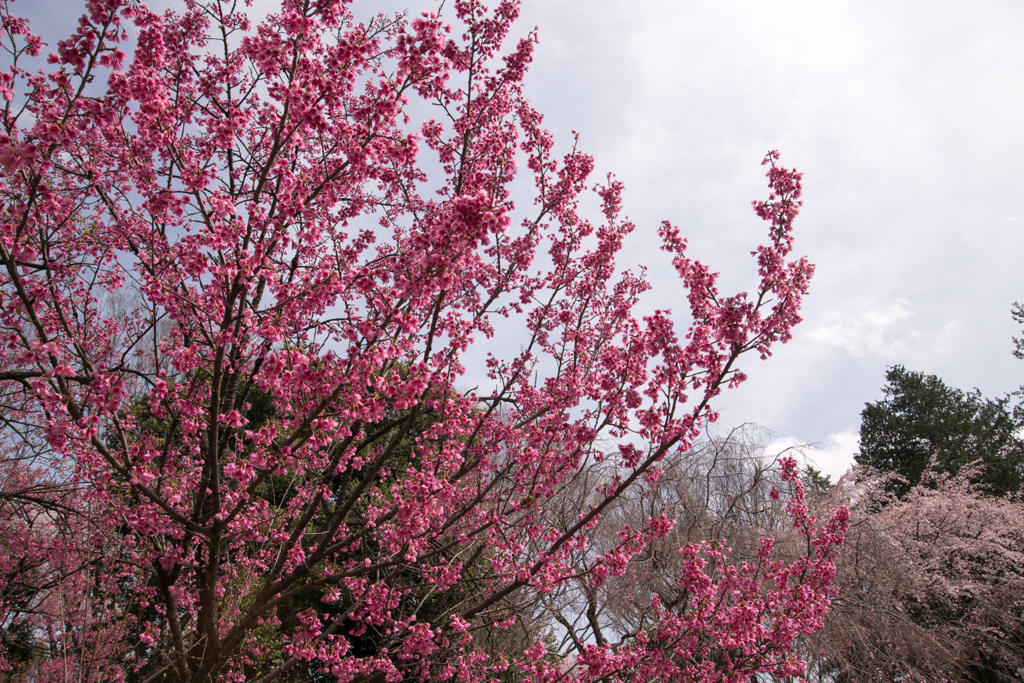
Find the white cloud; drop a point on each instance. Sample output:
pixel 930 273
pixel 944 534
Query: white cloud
pixel 860 334
pixel 882 331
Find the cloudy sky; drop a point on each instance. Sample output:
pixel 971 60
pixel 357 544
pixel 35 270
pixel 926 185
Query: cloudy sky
pixel 907 120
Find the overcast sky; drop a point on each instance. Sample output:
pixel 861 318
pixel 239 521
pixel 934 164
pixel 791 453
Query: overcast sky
pixel 907 120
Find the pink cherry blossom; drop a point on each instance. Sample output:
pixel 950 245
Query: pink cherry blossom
pixel 244 285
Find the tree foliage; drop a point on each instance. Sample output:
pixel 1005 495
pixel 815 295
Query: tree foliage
pixel 241 315
pixel 1018 317
pixel 922 420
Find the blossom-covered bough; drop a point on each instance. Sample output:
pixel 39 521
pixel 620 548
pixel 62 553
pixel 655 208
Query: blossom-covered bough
pixel 237 308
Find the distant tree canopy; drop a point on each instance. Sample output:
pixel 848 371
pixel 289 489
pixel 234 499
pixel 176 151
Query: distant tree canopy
pixel 921 417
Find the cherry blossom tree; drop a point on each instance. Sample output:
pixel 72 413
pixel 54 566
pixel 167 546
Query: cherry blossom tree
pixel 57 578
pixel 241 313
pixel 932 586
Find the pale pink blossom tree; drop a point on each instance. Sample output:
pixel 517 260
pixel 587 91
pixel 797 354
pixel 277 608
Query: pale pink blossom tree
pixel 237 307
pixel 931 584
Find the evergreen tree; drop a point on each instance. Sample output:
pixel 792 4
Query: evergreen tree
pixel 920 417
